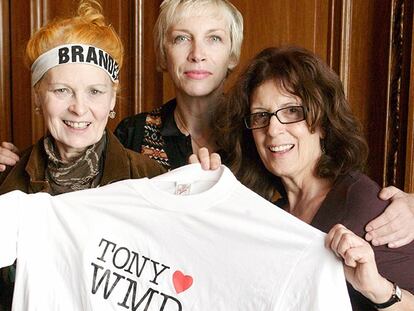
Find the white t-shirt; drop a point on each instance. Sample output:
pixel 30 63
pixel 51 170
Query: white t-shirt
pixel 136 245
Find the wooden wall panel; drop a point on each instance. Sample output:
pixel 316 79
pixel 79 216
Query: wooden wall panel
pixel 5 103
pixel 409 152
pixel 409 168
pixel 275 23
pixel 400 55
pixel 120 15
pixel 24 126
pixel 365 64
pixel 145 82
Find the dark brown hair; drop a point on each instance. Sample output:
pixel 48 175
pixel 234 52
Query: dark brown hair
pixel 300 73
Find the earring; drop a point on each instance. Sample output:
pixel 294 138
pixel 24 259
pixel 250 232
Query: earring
pixel 112 114
pixel 37 109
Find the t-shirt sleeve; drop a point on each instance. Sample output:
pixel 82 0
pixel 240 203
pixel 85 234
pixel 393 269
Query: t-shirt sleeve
pixel 9 226
pixel 317 282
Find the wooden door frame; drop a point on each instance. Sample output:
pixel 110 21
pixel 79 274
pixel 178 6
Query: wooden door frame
pixel 409 164
pixel 5 97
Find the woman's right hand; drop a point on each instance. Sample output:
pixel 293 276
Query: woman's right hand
pixel 8 155
pixel 208 161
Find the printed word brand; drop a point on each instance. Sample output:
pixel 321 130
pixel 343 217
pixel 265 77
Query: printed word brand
pixel 93 55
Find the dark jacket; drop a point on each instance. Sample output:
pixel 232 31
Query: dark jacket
pixel 156 135
pixel 28 175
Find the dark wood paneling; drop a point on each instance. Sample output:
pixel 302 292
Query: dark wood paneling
pixel 120 16
pixel 335 33
pixel 364 70
pixel 5 105
pixel 272 23
pixel 140 82
pixel 22 109
pixel 409 81
pixel 146 82
pixel 398 98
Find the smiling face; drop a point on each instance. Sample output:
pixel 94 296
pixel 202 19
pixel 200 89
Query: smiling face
pixel 75 100
pixel 198 50
pixel 287 150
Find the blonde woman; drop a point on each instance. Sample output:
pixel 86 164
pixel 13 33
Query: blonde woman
pixel 198 43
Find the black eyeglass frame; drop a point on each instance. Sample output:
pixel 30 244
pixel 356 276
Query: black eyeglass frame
pixel 270 114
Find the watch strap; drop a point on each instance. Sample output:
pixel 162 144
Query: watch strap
pixel 395 297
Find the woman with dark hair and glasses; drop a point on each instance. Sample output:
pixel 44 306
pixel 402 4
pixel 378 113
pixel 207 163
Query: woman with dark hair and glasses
pixel 300 138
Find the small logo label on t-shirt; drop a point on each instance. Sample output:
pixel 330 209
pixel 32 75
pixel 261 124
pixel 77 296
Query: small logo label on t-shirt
pixel 183 189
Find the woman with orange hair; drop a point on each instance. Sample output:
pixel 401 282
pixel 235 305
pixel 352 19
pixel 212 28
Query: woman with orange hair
pixel 75 64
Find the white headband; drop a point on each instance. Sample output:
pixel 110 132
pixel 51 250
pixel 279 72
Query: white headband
pixel 74 54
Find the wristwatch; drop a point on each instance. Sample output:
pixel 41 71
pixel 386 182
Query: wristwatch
pixel 395 297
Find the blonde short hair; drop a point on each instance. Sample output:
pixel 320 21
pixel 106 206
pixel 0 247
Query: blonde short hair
pixel 88 27
pixel 170 10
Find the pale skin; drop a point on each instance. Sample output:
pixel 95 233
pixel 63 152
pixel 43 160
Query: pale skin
pixel 361 269
pixel 207 161
pixel 75 107
pixel 395 227
pixel 198 57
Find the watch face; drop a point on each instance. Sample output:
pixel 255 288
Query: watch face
pixel 398 292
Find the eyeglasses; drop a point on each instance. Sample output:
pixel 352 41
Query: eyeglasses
pixel 287 115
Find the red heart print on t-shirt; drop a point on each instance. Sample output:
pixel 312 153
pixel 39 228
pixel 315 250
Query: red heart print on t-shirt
pixel 181 282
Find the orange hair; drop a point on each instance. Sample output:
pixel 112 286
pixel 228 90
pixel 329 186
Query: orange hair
pixel 88 27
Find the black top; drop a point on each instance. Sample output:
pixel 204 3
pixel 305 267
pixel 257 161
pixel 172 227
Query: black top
pixel 156 134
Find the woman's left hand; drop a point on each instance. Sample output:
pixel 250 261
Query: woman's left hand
pixel 359 263
pixel 208 161
pixel 395 226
